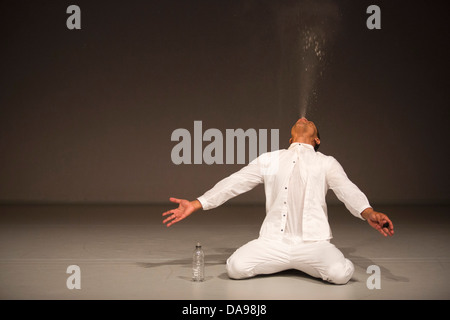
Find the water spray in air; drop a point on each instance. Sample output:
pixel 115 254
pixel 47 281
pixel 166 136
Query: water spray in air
pixel 307 31
pixel 312 63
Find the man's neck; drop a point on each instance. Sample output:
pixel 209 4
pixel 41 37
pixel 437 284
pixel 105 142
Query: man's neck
pixel 303 140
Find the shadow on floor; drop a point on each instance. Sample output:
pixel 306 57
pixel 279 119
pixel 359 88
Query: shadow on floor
pixel 291 273
pixel 210 260
pixel 364 263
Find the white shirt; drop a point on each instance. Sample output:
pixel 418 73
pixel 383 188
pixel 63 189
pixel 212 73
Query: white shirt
pixel 296 181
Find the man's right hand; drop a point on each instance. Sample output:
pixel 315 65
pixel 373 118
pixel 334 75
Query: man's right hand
pixel 185 209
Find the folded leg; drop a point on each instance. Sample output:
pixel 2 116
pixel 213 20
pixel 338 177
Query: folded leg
pixel 322 260
pixel 260 256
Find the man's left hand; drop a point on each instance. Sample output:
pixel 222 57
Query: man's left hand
pixel 379 221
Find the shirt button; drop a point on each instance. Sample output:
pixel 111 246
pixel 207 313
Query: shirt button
pixel 285 188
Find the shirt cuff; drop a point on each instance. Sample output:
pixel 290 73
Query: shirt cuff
pixel 203 202
pixel 364 208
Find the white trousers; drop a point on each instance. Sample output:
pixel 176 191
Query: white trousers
pixel 319 259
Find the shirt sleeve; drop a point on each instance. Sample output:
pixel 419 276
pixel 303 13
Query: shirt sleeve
pixel 239 182
pixel 346 191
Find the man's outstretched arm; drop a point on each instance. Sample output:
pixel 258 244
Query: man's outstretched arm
pixel 356 201
pixel 237 183
pixel 185 209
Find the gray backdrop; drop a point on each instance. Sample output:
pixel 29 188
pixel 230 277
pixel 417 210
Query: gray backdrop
pixel 87 115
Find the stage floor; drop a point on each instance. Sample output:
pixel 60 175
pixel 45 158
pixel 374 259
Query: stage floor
pixel 125 252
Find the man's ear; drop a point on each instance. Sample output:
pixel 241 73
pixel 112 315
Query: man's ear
pixel 290 140
pixel 317 140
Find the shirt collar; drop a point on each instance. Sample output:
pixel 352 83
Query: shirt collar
pixel 298 144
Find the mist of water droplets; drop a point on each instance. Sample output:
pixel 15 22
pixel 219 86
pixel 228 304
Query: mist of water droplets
pixel 312 58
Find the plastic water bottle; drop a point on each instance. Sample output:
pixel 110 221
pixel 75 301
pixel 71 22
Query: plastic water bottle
pixel 198 264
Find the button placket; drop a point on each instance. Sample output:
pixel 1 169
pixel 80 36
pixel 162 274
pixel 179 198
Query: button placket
pixel 284 212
